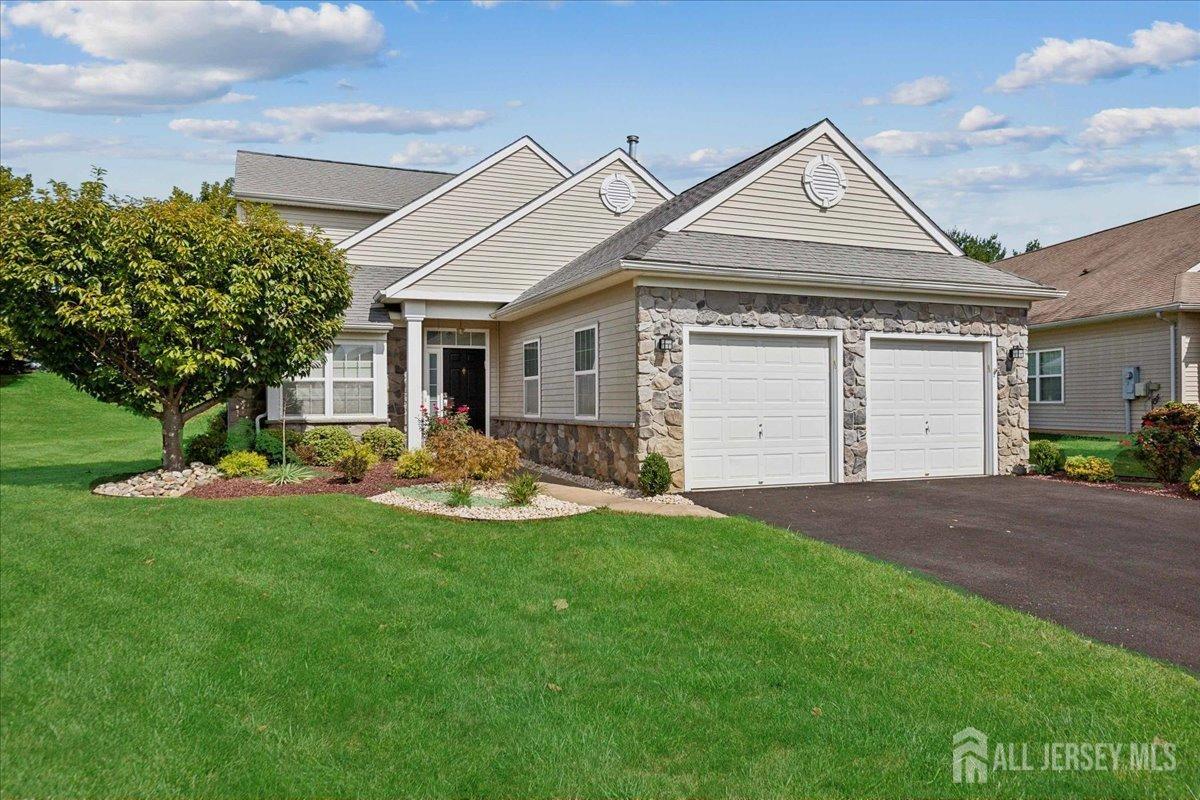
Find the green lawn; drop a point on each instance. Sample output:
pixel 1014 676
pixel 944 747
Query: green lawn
pixel 328 646
pixel 1110 447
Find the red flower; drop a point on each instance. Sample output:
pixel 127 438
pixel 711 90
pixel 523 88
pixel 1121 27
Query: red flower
pixel 462 410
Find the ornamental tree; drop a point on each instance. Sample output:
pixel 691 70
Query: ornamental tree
pixel 164 307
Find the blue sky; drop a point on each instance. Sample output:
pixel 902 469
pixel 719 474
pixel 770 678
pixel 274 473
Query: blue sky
pixel 1089 113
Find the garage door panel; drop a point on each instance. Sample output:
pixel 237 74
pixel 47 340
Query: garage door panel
pixel 925 409
pixel 780 383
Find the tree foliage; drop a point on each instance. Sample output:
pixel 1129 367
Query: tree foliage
pixel 987 249
pixel 164 306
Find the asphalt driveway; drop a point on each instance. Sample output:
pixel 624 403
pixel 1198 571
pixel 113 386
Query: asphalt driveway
pixel 1120 567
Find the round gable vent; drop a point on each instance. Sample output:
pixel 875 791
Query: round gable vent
pixel 618 193
pixel 824 181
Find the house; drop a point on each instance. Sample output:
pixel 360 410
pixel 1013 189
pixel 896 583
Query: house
pixel 793 319
pixel 1132 306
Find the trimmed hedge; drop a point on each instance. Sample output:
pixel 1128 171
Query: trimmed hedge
pixel 1093 469
pixel 243 464
pixel 654 477
pixel 326 443
pixel 1046 458
pixel 387 442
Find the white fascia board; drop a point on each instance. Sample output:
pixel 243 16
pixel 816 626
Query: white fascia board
pixel 455 294
pixel 1097 319
pixel 451 185
pixel 822 128
pixel 616 156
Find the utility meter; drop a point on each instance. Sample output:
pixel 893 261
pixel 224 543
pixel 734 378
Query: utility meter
pixel 1130 376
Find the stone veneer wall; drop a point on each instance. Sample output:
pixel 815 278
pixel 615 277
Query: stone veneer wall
pixel 660 375
pixel 606 451
pixel 397 365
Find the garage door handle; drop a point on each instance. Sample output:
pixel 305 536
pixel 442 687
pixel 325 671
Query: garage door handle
pixel 760 430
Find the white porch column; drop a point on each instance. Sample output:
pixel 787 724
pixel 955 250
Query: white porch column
pixel 414 315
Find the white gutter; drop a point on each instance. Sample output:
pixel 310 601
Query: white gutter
pixel 313 202
pixel 1096 318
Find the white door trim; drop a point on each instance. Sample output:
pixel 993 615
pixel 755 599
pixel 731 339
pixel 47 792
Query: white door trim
pixel 430 392
pixel 836 414
pixel 991 435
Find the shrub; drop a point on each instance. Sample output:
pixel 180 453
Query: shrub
pixel 1090 468
pixel 655 475
pixel 355 461
pixel 305 454
pixel 240 436
pixel 462 453
pixel 327 443
pixel 1164 450
pixel 417 464
pixel 460 494
pixel 1194 483
pixel 1183 417
pixel 270 444
pixel 457 420
pixel 243 464
pixel 290 472
pixel 521 489
pixel 1046 458
pixel 209 445
pixel 387 442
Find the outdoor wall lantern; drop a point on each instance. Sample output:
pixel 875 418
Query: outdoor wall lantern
pixel 666 344
pixel 1016 353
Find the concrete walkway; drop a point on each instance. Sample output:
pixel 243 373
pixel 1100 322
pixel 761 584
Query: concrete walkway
pixel 592 497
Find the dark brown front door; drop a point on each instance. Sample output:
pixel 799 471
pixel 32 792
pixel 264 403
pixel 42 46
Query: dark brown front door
pixel 466 382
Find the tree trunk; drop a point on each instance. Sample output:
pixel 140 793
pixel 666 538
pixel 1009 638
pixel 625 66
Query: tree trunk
pixel 172 435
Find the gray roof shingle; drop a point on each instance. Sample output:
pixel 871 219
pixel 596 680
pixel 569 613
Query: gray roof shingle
pixel 331 182
pixel 645 240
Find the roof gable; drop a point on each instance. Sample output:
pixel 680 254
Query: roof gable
pixel 535 240
pixel 769 201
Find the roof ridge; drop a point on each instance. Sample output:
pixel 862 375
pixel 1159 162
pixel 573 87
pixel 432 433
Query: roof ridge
pixel 1102 230
pixel 346 163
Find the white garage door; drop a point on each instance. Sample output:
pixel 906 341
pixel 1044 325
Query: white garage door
pixel 925 409
pixel 758 410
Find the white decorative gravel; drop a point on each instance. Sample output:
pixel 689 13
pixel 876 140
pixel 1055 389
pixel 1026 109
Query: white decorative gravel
pixel 605 486
pixel 542 507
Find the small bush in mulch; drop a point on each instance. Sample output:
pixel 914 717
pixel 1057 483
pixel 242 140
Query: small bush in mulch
pixel 377 480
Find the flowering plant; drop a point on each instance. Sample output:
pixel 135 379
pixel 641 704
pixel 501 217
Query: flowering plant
pixel 445 420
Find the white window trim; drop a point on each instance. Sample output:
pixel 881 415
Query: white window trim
pixel 595 370
pixel 431 393
pixel 378 382
pixel 525 379
pixel 1062 376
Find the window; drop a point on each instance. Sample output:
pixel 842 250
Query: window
pixel 533 378
pixel 456 338
pixel 342 384
pixel 585 373
pixel 1046 376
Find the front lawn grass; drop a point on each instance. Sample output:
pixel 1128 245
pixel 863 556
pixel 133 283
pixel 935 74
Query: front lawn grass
pixel 328 646
pixel 1125 464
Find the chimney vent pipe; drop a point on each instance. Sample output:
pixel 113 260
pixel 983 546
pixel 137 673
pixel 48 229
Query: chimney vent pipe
pixel 632 140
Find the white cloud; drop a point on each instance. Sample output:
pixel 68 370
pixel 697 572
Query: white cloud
pixel 485 3
pixel 940 143
pixel 979 118
pixel 432 154
pixel 173 54
pixel 371 118
pixel 236 97
pixel 232 130
pixel 1174 166
pixel 1117 126
pixel 705 161
pixel 920 92
pixel 111 147
pixel 346 86
pixel 1080 61
pixel 53 143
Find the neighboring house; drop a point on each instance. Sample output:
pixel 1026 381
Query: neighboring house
pixel 793 319
pixel 1133 301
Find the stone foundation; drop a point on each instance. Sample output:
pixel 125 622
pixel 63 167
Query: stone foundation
pixel 397 365
pixel 605 451
pixel 663 312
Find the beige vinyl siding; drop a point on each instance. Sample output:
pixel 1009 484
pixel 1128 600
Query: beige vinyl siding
pixel 776 206
pixel 463 211
pixel 335 224
pixel 614 312
pixel 531 248
pixel 1189 357
pixel 1093 356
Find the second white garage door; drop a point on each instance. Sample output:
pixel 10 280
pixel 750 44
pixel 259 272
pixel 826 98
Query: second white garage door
pixel 758 410
pixel 926 412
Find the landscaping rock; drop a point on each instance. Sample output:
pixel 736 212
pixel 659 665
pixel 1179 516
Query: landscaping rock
pixel 161 482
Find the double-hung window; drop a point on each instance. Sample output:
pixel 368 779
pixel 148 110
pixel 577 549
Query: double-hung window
pixel 342 385
pixel 532 371
pixel 1046 376
pixel 586 359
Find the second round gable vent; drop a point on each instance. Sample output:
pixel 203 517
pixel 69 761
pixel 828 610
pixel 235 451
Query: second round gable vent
pixel 618 193
pixel 824 181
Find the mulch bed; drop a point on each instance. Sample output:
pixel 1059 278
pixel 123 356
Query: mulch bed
pixel 1177 490
pixel 377 481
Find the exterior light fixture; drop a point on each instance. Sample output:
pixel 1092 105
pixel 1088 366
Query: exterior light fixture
pixel 1016 353
pixel 665 344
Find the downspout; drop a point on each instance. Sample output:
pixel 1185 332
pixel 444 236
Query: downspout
pixel 1174 329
